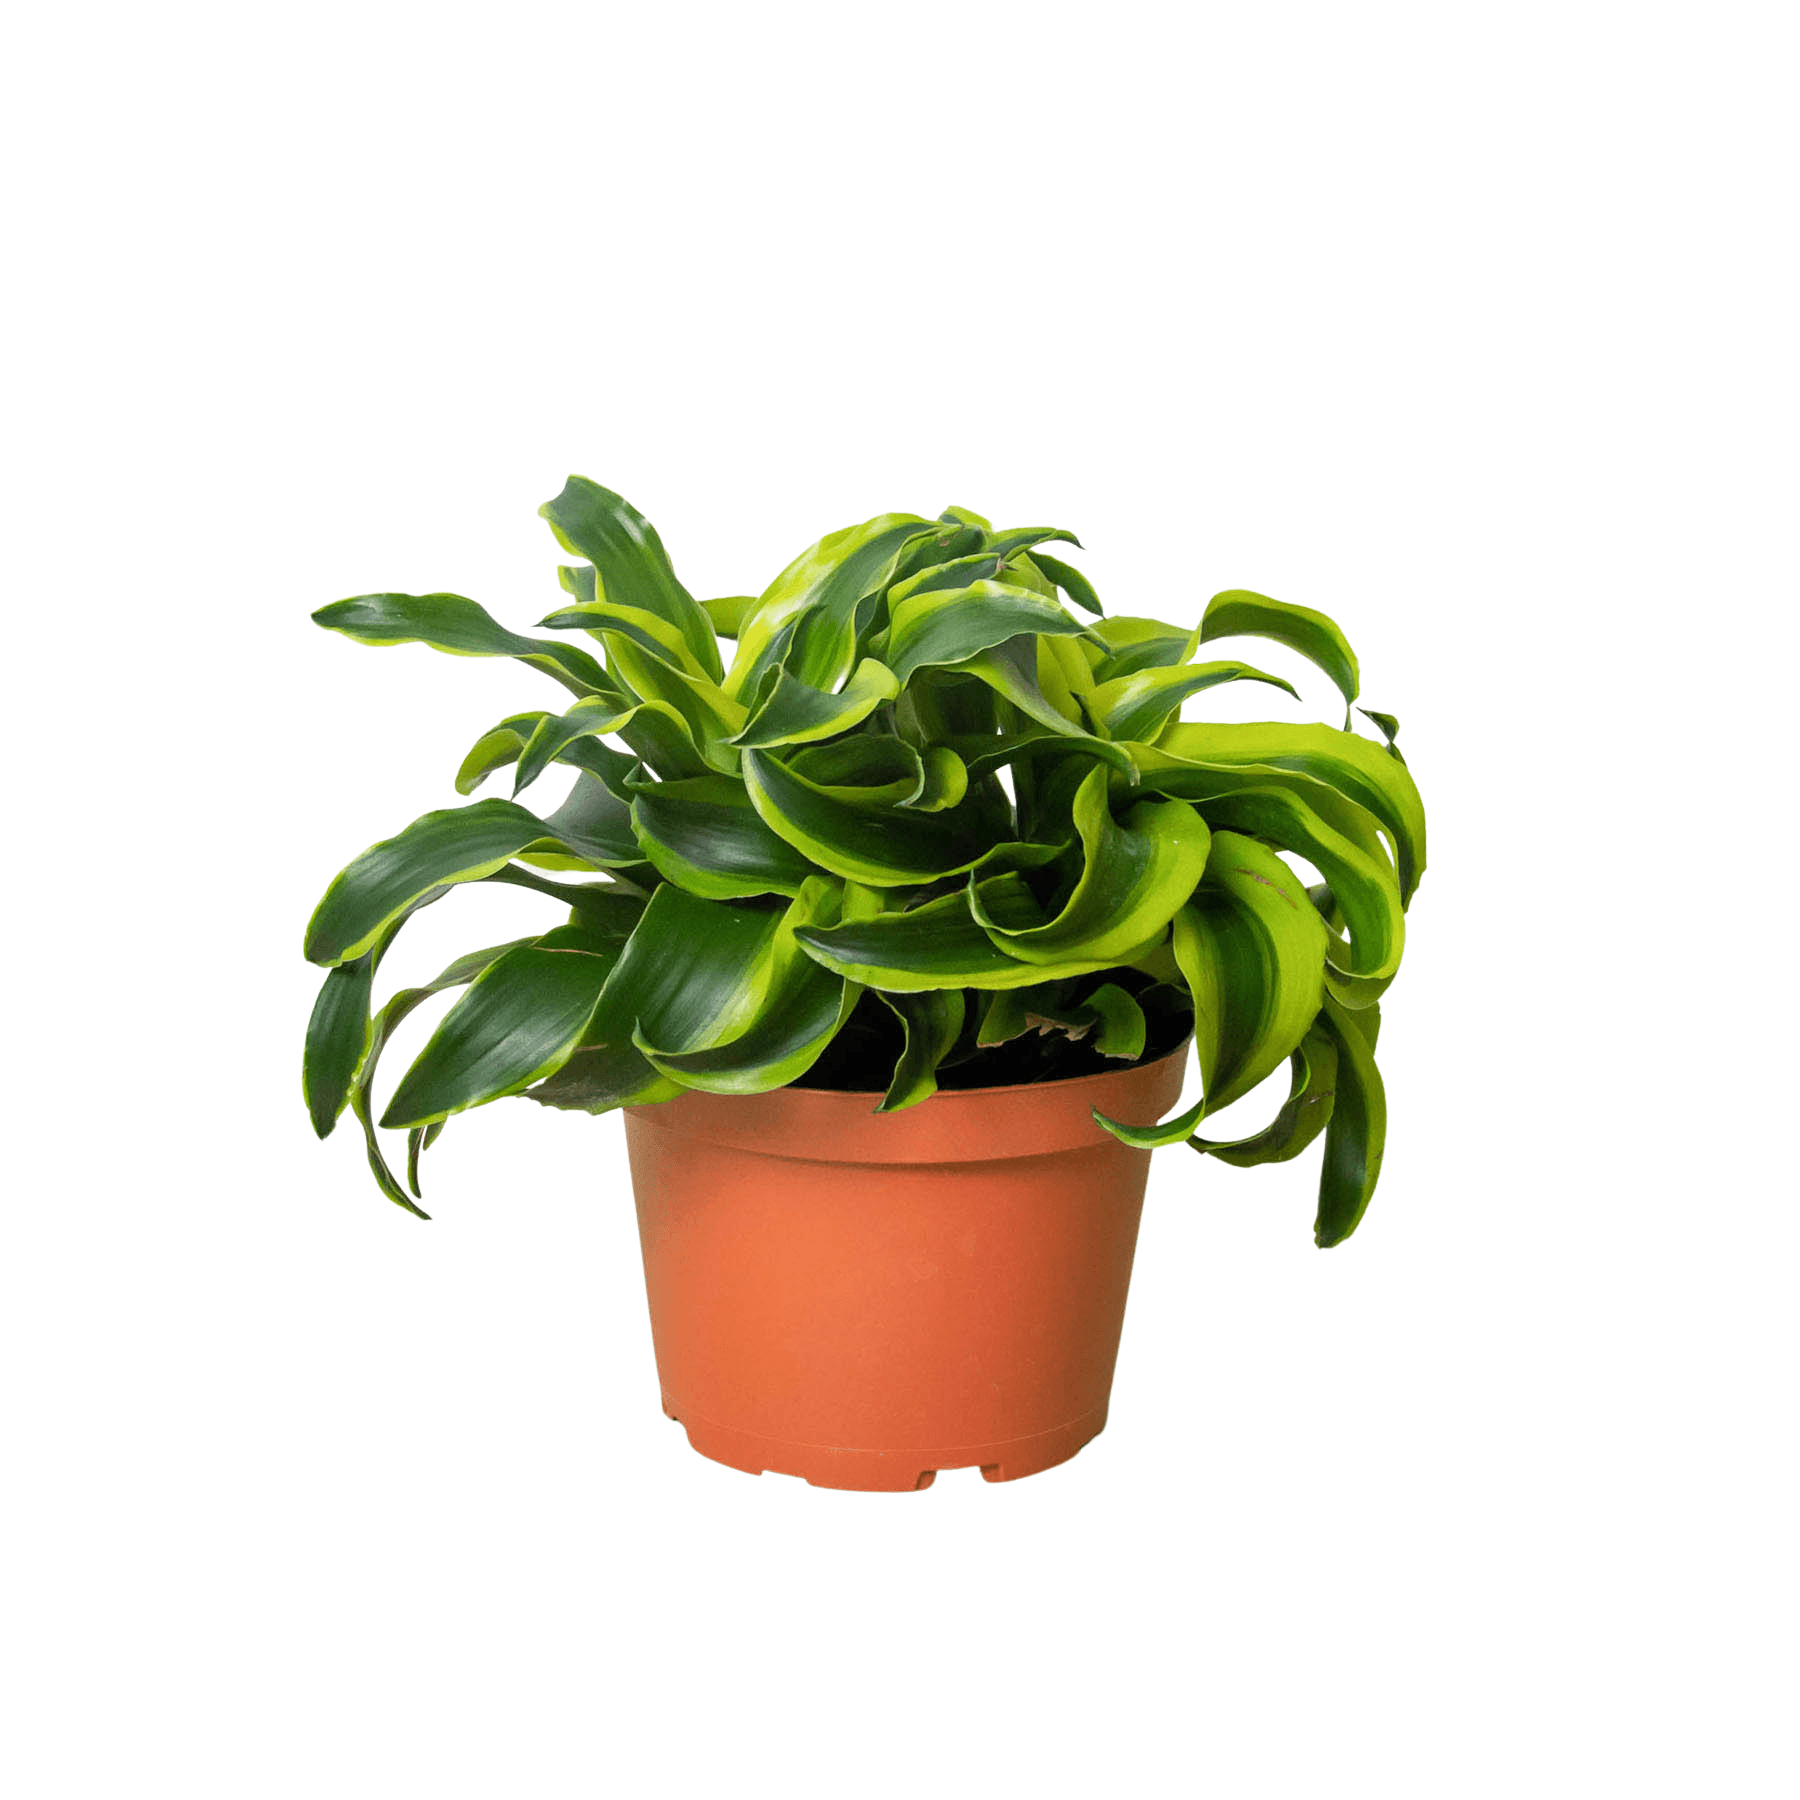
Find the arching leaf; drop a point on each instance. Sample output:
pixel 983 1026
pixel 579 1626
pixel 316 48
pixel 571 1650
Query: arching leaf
pixel 458 627
pixel 823 589
pixel 1356 1135
pixel 1134 643
pixel 337 1039
pixel 883 847
pixel 1139 706
pixel 383 1027
pixel 711 716
pixel 518 1022
pixel 555 733
pixel 1137 873
pixel 497 749
pixel 705 836
pixel 801 1008
pixel 1239 613
pixel 1072 582
pixel 794 713
pixel 942 945
pixel 1187 758
pixel 650 632
pixel 634 568
pixel 728 613
pixel 1303 1115
pixel 1364 887
pixel 942 628
pixel 439 850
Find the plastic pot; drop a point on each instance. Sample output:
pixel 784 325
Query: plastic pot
pixel 863 1299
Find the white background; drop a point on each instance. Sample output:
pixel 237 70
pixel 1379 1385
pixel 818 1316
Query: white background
pixel 1473 326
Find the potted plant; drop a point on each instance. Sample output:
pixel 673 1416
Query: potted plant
pixel 888 933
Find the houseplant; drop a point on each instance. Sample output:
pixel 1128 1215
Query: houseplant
pixel 938 828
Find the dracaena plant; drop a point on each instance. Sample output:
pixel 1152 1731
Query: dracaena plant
pixel 925 826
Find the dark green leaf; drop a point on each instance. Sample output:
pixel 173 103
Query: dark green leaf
pixel 635 570
pixel 517 1023
pixel 941 945
pixel 1072 582
pixel 705 836
pixel 880 846
pixel 1356 1134
pixel 337 1038
pixel 462 628
pixel 1136 875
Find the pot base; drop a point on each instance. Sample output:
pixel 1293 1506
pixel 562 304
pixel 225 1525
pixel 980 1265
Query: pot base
pixel 885 1471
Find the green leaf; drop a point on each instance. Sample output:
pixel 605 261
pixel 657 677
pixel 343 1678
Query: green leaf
pixel 942 628
pixel 418 1141
pixel 517 1023
pixel 649 631
pixel 496 749
pixel 799 1010
pixel 940 944
pixel 505 743
pixel 1239 613
pixel 555 734
pixel 600 1078
pixel 863 771
pixel 1303 1114
pixel 337 1039
pixel 1388 726
pixel 943 781
pixel 1009 543
pixel 590 830
pixel 932 1023
pixel 1119 1018
pixel 883 847
pixel 1364 887
pixel 1011 670
pixel 1252 948
pixel 1176 1129
pixel 1252 951
pixel 1197 761
pixel 1356 1134
pixel 1134 644
pixel 705 836
pixel 634 569
pixel 794 713
pixel 441 849
pixel 383 1027
pixel 694 974
pixel 873 772
pixel 1136 875
pixel 711 716
pixel 1139 706
pixel 1072 582
pixel 459 627
pixel 807 620
pixel 984 752
pixel 611 908
pixel 728 613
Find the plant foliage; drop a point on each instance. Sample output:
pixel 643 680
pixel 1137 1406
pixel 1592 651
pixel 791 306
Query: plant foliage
pixel 937 821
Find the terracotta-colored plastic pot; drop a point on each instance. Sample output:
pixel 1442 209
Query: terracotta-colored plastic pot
pixel 863 1299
